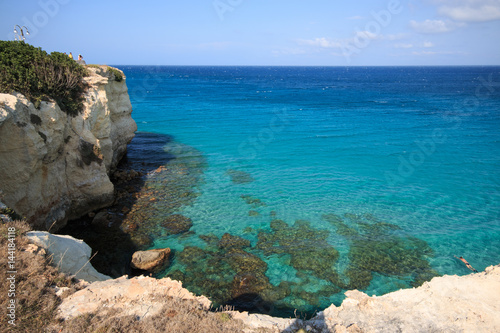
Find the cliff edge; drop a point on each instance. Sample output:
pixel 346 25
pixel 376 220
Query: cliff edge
pixel 55 167
pixel 449 303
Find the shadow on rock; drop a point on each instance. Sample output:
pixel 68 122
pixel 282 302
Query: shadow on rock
pixel 111 235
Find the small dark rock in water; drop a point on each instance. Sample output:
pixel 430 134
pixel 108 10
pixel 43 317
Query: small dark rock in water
pixel 239 177
pixel 101 218
pixel 177 224
pixel 141 240
pixel 132 226
pixel 253 213
pixel 254 202
pixel 210 239
pixel 229 241
pixel 248 230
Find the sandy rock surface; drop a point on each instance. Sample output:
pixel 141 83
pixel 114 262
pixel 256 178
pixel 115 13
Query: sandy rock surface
pixel 140 296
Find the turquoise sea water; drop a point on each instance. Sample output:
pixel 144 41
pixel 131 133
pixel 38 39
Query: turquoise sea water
pixel 417 148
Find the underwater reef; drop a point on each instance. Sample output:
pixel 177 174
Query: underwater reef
pixel 348 252
pixel 232 271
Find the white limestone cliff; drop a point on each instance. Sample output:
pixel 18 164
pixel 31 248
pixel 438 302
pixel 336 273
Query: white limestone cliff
pixel 54 167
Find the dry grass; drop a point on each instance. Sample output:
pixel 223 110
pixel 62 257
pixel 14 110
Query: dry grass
pixel 37 302
pixel 177 315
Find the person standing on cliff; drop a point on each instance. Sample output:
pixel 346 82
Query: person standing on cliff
pixel 70 55
pixel 80 60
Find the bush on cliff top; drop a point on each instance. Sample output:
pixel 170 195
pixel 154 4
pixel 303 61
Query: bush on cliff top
pixel 41 76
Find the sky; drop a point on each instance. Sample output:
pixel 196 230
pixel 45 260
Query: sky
pixel 262 32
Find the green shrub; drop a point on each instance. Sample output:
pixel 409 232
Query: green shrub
pixel 41 76
pixel 116 73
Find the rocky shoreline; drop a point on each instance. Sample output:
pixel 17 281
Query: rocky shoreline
pixel 450 303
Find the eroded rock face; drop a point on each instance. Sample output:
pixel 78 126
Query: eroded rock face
pixel 54 167
pixel 151 260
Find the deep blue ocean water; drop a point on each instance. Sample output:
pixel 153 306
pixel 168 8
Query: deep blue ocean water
pixel 416 147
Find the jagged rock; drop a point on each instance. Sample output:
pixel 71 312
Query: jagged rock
pixel 54 167
pixel 151 260
pixel 68 254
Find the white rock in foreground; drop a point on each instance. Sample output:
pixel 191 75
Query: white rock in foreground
pixel 446 304
pixel 69 255
pixel 140 296
pixel 449 303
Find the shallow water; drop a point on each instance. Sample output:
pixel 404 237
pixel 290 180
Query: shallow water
pixel 406 158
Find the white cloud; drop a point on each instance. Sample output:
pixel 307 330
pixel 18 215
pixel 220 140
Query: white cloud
pixel 403 46
pixel 393 37
pixel 320 42
pixel 360 37
pixel 410 46
pixel 367 35
pixel 373 36
pixel 289 51
pixel 433 26
pixel 429 53
pixel 470 10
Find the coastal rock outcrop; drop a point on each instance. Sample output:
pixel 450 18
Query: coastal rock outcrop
pixel 449 303
pixel 468 303
pixel 140 296
pixel 55 167
pixel 69 255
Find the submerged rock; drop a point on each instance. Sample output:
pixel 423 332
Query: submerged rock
pixel 239 177
pixel 252 201
pixel 253 213
pixel 177 224
pixel 307 247
pixel 229 241
pixel 375 248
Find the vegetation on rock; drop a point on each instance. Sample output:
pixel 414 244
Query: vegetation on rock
pixel 41 76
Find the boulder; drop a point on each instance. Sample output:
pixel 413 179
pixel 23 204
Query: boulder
pixel 151 260
pixel 69 255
